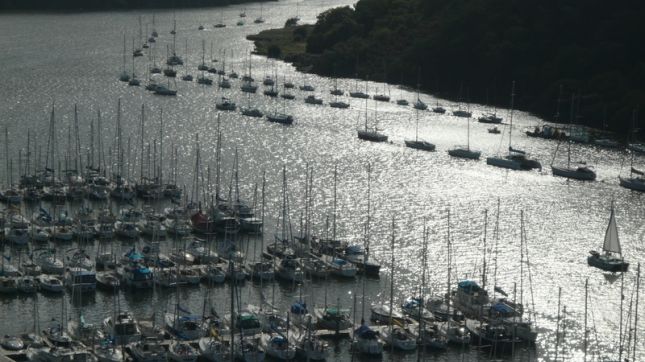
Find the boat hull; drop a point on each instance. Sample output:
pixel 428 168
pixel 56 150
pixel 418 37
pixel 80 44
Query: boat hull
pixel 635 184
pixel 573 173
pixel 610 264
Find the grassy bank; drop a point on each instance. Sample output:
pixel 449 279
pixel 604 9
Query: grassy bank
pixel 288 44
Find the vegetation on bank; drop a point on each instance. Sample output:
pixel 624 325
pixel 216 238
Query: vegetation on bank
pixel 84 5
pixel 288 44
pixel 472 50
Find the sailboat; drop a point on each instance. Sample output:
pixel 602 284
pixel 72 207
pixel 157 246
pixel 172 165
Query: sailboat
pixel 636 179
pixel 260 19
pixel 133 80
pixel 187 77
pixel 220 24
pixel 419 104
pixel 612 259
pixel 515 159
pixel 584 173
pixel 372 134
pixel 465 151
pixel 125 77
pixel 417 143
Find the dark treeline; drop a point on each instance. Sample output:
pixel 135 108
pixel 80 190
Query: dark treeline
pixel 89 5
pixel 589 47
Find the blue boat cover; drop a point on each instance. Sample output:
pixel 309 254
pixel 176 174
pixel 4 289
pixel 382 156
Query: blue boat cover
pixel 469 286
pixel 502 308
pixel 365 332
pixel 299 308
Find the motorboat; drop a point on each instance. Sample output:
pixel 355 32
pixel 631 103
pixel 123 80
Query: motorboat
pixel 50 284
pixel 123 328
pixel 80 280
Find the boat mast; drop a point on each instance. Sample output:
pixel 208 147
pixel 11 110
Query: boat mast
pixel 586 335
pixel 142 138
pixel 449 265
pixel 638 283
pixel 392 289
pixel 510 133
pixel 335 203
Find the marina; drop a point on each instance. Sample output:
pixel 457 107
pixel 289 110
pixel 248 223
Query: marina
pixel 224 222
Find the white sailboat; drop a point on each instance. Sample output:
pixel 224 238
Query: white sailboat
pixel 581 172
pixel 465 151
pixel 612 259
pixel 636 179
pixel 417 143
pixel 515 159
pixel 371 134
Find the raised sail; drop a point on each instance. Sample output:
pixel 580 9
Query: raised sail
pixel 612 244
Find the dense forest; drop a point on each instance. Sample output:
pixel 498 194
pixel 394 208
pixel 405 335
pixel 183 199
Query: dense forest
pixel 86 5
pixel 474 49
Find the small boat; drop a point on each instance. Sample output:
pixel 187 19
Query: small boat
pixel 179 351
pixel 225 104
pixel 107 281
pixel 122 328
pixel 50 283
pixel 289 270
pixel 268 81
pixel 27 285
pixel 402 102
pixel 381 314
pixel 136 276
pixel 183 324
pixel 280 118
pixel 359 95
pixel 611 260
pixel 148 350
pixel 315 268
pixel 201 27
pixel 49 264
pixel 214 350
pixel 278 347
pixel 262 270
pixel 340 267
pixel 584 173
pixel 490 118
pixel 381 98
pixel 339 104
pixel 288 96
pixel 311 99
pixel 607 143
pixel 399 338
pixel 8 285
pixel 249 87
pixel 367 342
pixel 462 113
pixel 249 351
pixel 80 280
pixel 420 105
pixel 224 83
pixel 494 130
pixel 494 336
pixel 271 93
pixel 307 88
pixel 438 109
pixel 12 343
pixel 332 318
pixel 165 91
pixel 371 135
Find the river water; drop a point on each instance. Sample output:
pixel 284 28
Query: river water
pixel 73 59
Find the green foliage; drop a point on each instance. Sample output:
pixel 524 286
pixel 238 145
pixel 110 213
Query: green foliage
pixel 274 51
pixel 590 47
pixel 291 22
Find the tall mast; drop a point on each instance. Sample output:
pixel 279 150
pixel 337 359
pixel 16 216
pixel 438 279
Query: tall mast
pixel 142 138
pixel 392 286
pixel 586 335
pixel 510 133
pixel 449 264
pixel 161 147
pixel 335 203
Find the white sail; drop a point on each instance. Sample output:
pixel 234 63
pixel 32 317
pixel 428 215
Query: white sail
pixel 612 244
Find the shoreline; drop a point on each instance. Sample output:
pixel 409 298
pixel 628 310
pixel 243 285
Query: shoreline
pixel 24 10
pixel 294 52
